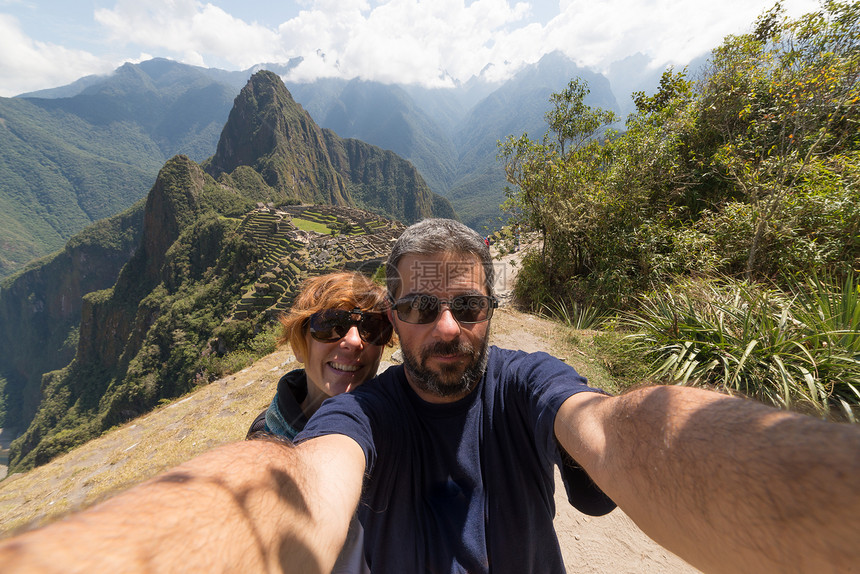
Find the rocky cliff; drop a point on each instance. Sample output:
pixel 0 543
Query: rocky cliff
pixel 268 131
pixel 40 308
pixel 209 273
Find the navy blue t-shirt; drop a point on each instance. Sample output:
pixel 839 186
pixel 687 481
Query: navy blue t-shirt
pixel 465 486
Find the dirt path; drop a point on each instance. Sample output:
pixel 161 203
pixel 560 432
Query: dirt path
pixel 611 543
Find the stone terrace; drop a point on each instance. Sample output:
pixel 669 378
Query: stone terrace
pixel 357 240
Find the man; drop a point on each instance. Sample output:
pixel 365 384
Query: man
pixel 452 452
pixel 459 441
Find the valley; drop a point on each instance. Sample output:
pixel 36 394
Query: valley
pixel 70 156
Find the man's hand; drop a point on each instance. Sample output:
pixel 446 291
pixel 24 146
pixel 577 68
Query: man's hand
pixel 729 485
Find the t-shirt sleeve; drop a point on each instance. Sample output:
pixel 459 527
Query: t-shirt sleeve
pixel 546 383
pixel 343 414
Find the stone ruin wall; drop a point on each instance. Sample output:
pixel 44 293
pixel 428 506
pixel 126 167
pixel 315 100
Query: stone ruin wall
pixel 358 240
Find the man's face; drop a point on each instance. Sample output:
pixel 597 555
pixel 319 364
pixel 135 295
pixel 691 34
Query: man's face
pixel 443 359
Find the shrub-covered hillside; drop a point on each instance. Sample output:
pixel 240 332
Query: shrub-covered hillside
pixel 741 187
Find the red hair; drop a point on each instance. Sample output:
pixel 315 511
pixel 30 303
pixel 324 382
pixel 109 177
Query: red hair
pixel 340 290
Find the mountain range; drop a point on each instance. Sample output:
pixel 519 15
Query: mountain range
pixel 145 305
pixel 142 305
pixel 72 155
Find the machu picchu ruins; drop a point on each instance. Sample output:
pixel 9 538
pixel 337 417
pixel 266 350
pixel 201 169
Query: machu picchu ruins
pixel 300 241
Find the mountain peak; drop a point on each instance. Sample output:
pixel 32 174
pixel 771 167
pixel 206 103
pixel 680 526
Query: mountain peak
pixel 257 124
pixel 171 205
pixel 268 131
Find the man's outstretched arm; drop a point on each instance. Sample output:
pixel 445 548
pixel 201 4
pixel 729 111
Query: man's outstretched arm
pixel 254 506
pixel 729 485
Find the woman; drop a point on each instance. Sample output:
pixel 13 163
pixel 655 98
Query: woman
pixel 337 329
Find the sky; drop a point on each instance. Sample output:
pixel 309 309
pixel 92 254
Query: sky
pixel 50 43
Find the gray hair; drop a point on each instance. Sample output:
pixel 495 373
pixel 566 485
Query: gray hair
pixel 435 236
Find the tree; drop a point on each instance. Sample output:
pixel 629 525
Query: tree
pixel 558 180
pixel 750 170
pixel 783 99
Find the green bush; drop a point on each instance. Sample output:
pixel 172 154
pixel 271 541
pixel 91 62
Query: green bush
pixel 797 351
pixel 264 342
pixel 750 171
pixel 230 363
pixel 622 358
pixel 532 287
pixel 574 315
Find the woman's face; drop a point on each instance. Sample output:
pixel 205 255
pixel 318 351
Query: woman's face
pixel 337 367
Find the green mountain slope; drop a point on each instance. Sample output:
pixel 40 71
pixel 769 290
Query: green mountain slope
pixel 69 161
pixel 60 174
pixel 210 272
pixel 515 108
pixel 386 116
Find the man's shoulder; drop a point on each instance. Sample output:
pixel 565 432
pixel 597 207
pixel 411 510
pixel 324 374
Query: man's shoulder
pixel 378 401
pixel 501 355
pixel 508 366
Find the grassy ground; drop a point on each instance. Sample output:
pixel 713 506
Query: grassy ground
pixel 307 225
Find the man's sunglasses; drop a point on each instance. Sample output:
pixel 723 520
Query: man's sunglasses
pixel 332 325
pixel 423 309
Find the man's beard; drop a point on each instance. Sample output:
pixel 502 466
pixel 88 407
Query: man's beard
pixel 449 382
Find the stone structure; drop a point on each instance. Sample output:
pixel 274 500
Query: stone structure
pixel 356 240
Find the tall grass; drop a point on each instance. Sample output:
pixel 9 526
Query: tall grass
pixel 797 350
pixel 576 315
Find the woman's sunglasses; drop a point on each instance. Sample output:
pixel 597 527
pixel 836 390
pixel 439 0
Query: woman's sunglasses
pixel 423 309
pixel 332 325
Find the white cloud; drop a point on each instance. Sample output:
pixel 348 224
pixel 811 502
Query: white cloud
pixel 669 31
pixel 190 31
pixel 27 65
pixel 319 34
pixel 431 41
pixel 409 41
